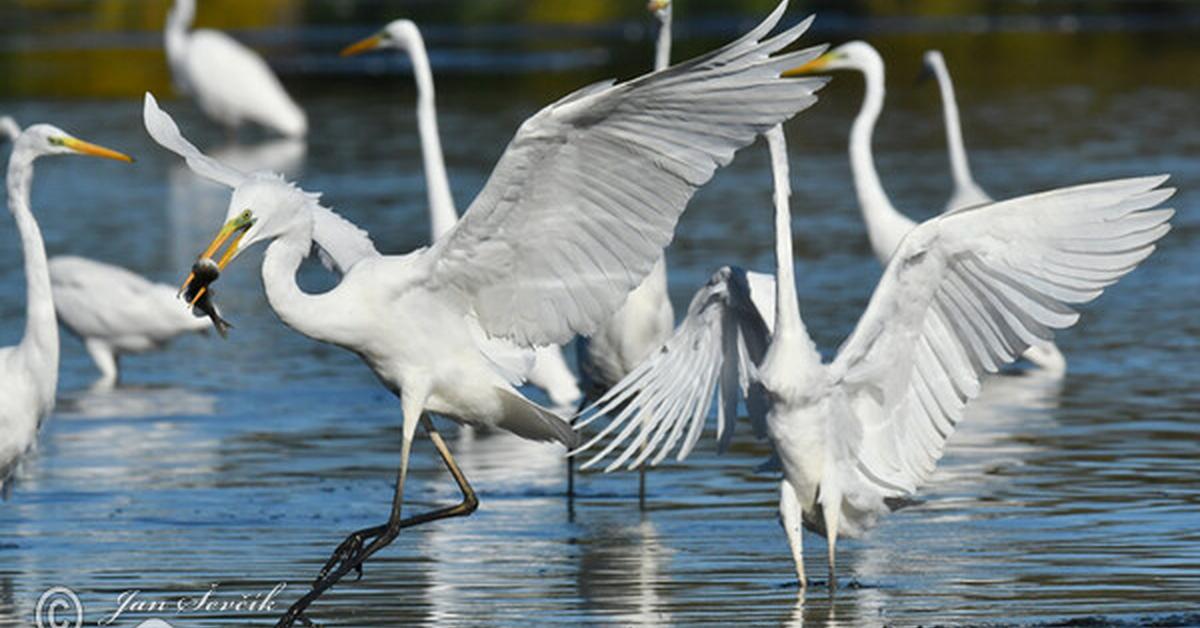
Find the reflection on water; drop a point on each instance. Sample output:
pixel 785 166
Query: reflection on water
pixel 244 462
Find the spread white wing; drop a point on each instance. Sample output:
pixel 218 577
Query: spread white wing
pixel 665 401
pixel 588 193
pixel 965 294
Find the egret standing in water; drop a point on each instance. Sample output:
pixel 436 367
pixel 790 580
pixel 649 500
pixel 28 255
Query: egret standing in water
pixel 111 309
pixel 550 371
pixel 231 83
pixel 886 226
pixel 646 319
pixel 573 218
pixel 965 294
pixel 29 371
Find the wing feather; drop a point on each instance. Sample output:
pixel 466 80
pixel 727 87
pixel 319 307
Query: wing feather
pixel 664 403
pixel 967 293
pixel 596 183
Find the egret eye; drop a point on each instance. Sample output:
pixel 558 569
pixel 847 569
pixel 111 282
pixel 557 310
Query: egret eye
pixel 56 141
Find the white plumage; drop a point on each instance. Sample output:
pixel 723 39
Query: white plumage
pixel 114 311
pixel 550 371
pixel 574 216
pixel 886 226
pixel 29 370
pixel 231 83
pixel 966 191
pixel 965 294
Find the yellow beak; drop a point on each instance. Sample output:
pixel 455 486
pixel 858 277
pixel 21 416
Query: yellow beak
pixel 812 67
pixel 362 46
pixel 658 5
pixel 87 148
pixel 238 226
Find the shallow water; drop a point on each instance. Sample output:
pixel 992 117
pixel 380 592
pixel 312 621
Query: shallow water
pixel 244 462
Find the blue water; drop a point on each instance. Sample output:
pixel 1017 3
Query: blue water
pixel 243 462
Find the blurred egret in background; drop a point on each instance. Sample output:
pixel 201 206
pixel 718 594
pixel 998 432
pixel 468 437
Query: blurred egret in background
pixel 231 83
pixel 550 371
pixel 966 191
pixel 574 216
pixel 965 293
pixel 29 370
pixel 886 226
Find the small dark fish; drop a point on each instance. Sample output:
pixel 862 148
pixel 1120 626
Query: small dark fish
pixel 204 273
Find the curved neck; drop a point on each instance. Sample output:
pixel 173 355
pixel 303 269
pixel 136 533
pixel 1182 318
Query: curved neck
pixel 662 49
pixel 959 166
pixel 885 226
pixel 442 213
pixel 41 329
pixel 789 327
pixel 179 20
pixel 280 263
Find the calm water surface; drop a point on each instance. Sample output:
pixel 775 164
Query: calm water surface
pixel 244 462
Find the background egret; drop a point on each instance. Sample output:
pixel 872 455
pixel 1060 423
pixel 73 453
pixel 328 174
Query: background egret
pixel 965 294
pixel 29 370
pixel 886 226
pixel 966 191
pixel 231 83
pixel 550 371
pixel 574 216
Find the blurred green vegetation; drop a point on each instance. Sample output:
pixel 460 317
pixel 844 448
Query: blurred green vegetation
pixel 112 48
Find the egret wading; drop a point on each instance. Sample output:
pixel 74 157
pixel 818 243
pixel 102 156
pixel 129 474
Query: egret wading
pixel 550 371
pixel 29 370
pixel 965 294
pixel 230 83
pixel 573 218
pixel 111 309
pixel 886 226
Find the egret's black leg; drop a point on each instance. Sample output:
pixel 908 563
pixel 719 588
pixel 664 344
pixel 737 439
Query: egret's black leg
pixel 350 555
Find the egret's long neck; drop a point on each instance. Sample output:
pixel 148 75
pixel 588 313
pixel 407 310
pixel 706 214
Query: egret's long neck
pixel 885 226
pixel 442 213
pixel 280 263
pixel 789 327
pixel 41 329
pixel 179 20
pixel 959 166
pixel 662 48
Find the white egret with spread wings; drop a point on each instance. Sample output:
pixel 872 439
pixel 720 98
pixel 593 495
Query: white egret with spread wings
pixel 231 83
pixel 574 216
pixel 965 294
pixel 886 226
pixel 550 371
pixel 29 370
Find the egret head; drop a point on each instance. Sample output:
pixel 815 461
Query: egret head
pixel 931 63
pixel 854 55
pixel 400 34
pixel 44 139
pixel 263 208
pixel 660 8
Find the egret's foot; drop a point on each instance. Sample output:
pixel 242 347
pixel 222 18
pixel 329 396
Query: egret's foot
pixel 350 554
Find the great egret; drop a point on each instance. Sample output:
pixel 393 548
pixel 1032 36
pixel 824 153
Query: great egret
pixel 886 226
pixel 646 318
pixel 29 370
pixel 230 82
pixel 965 294
pixel 573 217
pixel 111 309
pixel 550 371
pixel 115 311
